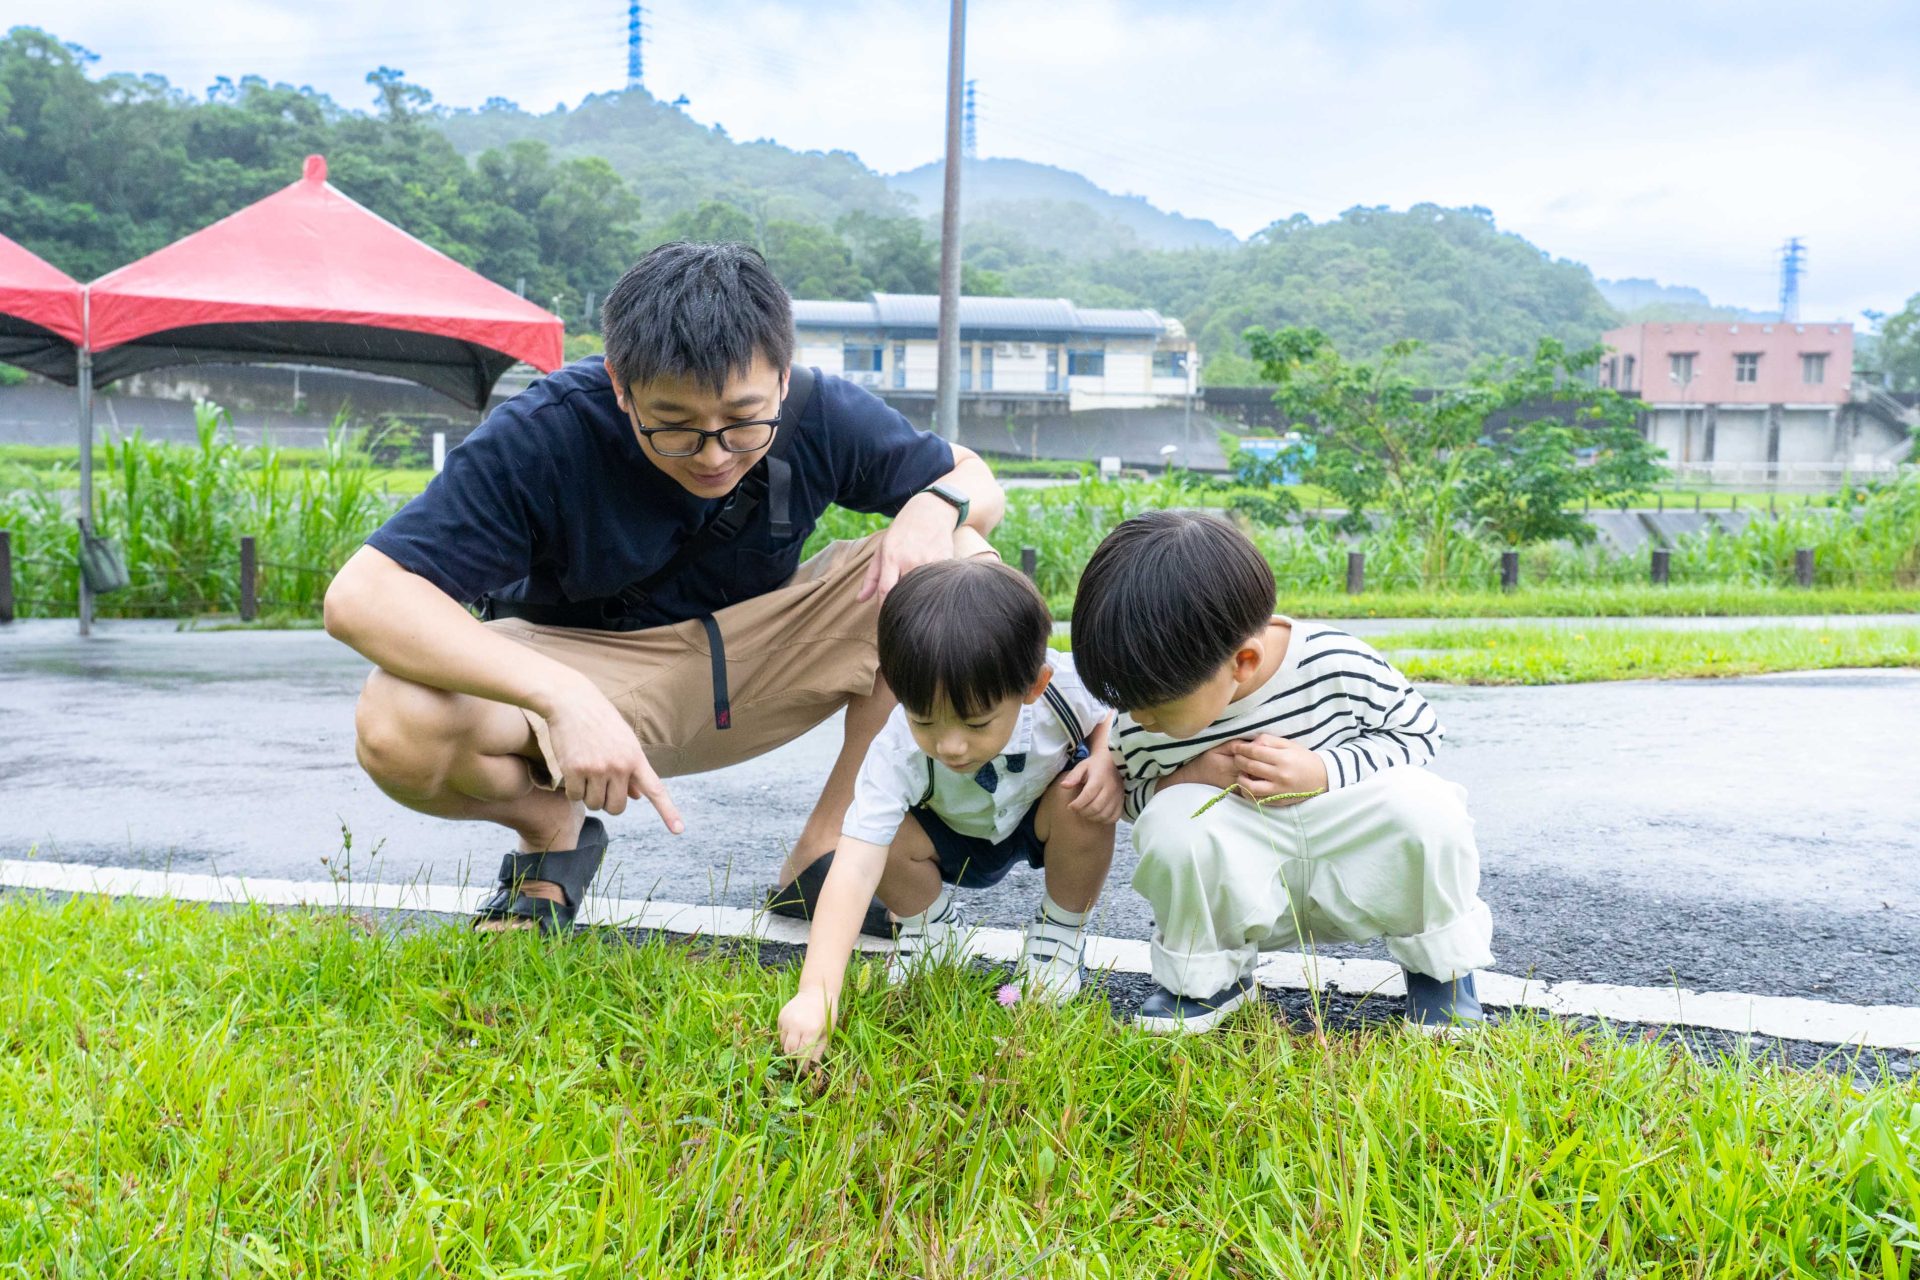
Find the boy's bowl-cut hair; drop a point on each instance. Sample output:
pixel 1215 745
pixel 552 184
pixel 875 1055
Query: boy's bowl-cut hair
pixel 971 633
pixel 1166 599
pixel 698 311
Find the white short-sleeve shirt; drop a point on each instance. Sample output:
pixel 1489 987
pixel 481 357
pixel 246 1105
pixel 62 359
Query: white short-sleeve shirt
pixel 893 778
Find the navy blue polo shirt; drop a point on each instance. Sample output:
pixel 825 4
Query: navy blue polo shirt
pixel 552 500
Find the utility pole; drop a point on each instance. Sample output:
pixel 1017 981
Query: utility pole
pixel 946 419
pixel 634 26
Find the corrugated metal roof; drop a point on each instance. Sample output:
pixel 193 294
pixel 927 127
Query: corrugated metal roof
pixel 922 311
pixel 1115 320
pixel 833 314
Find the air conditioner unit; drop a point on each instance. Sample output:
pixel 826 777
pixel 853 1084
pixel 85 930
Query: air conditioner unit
pixel 1026 348
pixel 1003 348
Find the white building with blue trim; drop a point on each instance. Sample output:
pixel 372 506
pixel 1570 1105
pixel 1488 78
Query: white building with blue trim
pixel 1043 354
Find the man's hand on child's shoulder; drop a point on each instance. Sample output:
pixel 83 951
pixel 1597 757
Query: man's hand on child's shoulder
pixel 1268 766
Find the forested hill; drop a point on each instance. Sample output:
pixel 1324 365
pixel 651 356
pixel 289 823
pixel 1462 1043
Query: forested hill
pixel 1640 299
pixel 97 172
pixel 1447 277
pixel 1038 201
pixel 674 164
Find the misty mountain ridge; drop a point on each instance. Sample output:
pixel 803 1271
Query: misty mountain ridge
pixel 1020 194
pixel 1017 215
pixel 1639 299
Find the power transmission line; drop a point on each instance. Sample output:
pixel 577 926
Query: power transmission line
pixel 1792 267
pixel 970 139
pixel 634 28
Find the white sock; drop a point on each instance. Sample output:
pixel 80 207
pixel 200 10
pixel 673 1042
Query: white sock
pixel 937 910
pixel 1053 913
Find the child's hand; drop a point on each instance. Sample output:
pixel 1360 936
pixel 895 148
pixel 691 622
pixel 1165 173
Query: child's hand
pixel 1098 781
pixel 1217 767
pixel 805 1024
pixel 1270 766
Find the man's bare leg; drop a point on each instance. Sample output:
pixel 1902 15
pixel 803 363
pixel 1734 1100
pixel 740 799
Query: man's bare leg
pixel 456 756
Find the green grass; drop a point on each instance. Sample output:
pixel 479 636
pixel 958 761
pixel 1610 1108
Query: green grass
pixel 1570 655
pixel 196 1092
pixel 1708 600
pixel 1566 654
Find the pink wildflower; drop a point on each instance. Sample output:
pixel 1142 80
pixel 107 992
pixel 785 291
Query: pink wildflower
pixel 1008 995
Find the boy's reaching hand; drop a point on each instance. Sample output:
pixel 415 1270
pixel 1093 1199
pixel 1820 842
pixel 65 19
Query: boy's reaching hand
pixel 1097 779
pixel 805 1024
pixel 1270 766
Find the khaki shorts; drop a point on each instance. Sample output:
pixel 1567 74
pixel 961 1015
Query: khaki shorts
pixel 793 657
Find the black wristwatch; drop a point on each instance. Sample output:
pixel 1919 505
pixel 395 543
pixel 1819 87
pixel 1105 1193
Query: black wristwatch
pixel 953 497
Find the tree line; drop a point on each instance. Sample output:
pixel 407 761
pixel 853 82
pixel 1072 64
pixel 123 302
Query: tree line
pixel 95 172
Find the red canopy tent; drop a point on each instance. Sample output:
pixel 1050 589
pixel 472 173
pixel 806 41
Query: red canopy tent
pixel 42 314
pixel 308 275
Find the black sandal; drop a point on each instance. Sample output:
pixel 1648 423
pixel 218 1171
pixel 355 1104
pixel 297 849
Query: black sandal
pixel 572 869
pixel 800 898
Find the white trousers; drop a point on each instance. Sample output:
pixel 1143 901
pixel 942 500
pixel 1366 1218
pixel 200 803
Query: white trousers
pixel 1390 857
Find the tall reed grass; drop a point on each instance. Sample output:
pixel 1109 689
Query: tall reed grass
pixel 1869 539
pixel 179 511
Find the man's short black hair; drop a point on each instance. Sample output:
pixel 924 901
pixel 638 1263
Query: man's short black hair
pixel 1166 599
pixel 970 633
pixel 700 311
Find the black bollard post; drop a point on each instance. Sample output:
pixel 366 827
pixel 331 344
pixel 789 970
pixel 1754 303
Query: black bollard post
pixel 1356 572
pixel 6 576
pixel 1803 566
pixel 249 584
pixel 1509 570
pixel 1030 563
pixel 1662 560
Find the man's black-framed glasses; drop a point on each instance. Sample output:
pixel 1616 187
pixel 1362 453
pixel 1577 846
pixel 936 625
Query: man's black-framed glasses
pixel 735 437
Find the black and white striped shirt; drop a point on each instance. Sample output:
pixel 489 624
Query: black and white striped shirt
pixel 1332 694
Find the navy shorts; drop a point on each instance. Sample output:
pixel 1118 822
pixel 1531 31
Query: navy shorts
pixel 972 862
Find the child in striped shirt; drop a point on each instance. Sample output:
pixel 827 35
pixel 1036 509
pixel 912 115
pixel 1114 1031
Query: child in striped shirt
pixel 1331 829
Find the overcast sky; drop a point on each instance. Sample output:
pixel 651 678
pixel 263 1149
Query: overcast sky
pixel 1678 139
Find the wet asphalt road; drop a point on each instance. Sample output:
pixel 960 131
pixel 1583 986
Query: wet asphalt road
pixel 1757 835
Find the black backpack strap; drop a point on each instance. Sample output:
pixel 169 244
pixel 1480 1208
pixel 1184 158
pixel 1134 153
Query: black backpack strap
pixel 717 650
pixel 1069 722
pixel 928 794
pixel 800 388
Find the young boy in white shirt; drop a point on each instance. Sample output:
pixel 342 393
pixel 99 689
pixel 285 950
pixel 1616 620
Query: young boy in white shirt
pixel 996 754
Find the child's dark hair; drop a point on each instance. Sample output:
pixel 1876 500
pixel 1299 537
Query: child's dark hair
pixel 971 633
pixel 1166 599
pixel 699 311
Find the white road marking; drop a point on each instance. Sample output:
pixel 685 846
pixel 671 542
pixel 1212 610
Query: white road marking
pixel 1786 1017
